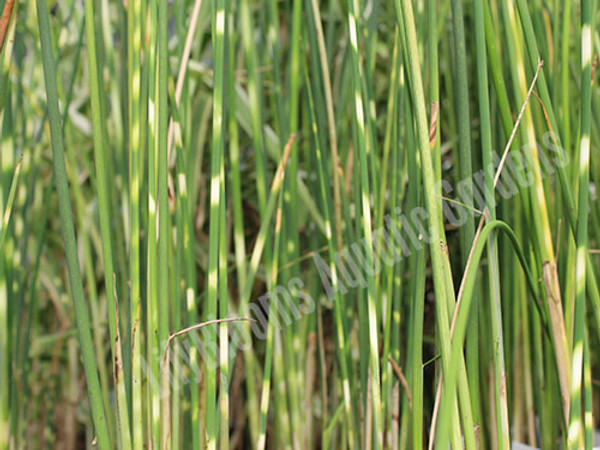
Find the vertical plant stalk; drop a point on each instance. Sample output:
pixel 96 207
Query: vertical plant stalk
pixel 183 66
pixel 6 423
pixel 119 380
pixel 362 148
pixel 258 142
pixel 565 72
pixel 546 422
pixel 464 147
pixel 291 239
pixel 134 42
pixel 216 203
pixel 335 160
pixel 99 332
pixel 153 346
pixel 415 348
pixel 444 298
pixel 387 313
pixel 564 184
pixel 500 389
pixel 537 197
pixel 234 161
pixel 338 300
pixel 6 27
pixel 101 159
pixel 223 326
pixel 468 230
pixel 163 236
pixel 588 394
pixel 273 307
pixel 81 313
pixel 186 241
pixel 17 420
pixel 576 418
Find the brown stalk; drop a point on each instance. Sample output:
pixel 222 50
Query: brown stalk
pixel 5 21
pixel 559 334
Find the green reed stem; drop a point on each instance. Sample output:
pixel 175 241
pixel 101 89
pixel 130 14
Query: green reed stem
pixel 576 437
pixel 81 313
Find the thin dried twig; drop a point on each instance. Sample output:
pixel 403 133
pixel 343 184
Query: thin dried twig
pixel 202 325
pixel 402 378
pixel 516 127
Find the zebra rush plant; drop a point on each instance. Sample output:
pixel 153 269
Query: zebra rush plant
pixel 299 224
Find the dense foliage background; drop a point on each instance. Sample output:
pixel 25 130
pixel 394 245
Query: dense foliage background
pixel 299 224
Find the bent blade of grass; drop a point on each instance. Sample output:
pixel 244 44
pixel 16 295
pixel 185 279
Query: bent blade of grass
pixel 467 286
